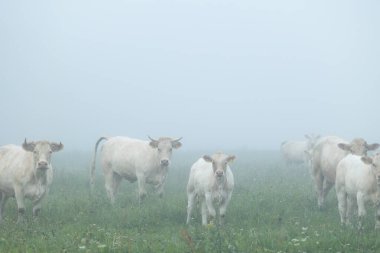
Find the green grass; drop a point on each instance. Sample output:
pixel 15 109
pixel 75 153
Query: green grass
pixel 273 209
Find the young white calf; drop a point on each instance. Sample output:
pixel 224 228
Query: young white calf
pixel 211 180
pixel 26 172
pixel 358 179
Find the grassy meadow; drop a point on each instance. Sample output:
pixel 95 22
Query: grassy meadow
pixel 273 209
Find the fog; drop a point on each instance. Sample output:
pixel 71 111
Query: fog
pixel 221 74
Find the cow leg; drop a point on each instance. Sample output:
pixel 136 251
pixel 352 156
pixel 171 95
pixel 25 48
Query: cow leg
pixel 326 188
pixel 141 185
pixel 361 208
pixel 351 202
pixel 210 206
pixel 20 203
pixel 3 200
pixel 318 180
pixel 377 224
pixel 37 206
pixel 190 205
pixel 342 205
pixel 112 182
pixel 223 209
pixel 160 186
pixel 204 212
pixel 36 209
pixel 160 190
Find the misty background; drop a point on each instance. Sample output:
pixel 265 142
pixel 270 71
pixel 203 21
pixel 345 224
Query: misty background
pixel 221 74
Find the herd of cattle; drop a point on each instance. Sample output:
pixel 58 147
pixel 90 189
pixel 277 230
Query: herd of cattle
pixel 26 172
pixel 335 161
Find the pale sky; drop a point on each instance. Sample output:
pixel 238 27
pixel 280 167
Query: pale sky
pixel 221 74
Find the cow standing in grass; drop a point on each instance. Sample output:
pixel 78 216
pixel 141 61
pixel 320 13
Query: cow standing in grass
pixel 295 152
pixel 326 155
pixel 26 172
pixel 211 180
pixel 358 181
pixel 146 162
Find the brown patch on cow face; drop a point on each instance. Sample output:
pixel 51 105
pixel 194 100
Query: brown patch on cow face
pixel 358 146
pixel 219 163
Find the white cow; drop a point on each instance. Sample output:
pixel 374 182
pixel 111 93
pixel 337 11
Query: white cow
pixel 357 181
pixel 210 180
pixel 133 159
pixel 295 152
pixel 326 155
pixel 26 172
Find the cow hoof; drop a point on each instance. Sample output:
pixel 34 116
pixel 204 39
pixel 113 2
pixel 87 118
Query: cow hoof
pixel 36 212
pixel 20 220
pixel 142 196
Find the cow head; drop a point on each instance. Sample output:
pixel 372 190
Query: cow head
pixel 375 165
pixel 219 163
pixel 358 146
pixel 164 146
pixel 311 140
pixel 42 151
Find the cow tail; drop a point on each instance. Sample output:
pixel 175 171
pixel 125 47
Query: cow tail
pixel 92 174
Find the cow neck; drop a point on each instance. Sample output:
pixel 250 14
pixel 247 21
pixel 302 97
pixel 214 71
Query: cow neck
pixel 219 183
pixel 41 176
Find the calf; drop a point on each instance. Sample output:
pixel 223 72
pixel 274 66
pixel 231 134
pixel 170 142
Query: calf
pixel 210 180
pixel 358 180
pixel 325 157
pixel 26 172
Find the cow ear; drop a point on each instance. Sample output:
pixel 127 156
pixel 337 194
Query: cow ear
pixel 231 158
pixel 344 146
pixel 207 158
pixel 28 146
pixel 55 147
pixel 367 160
pixel 176 144
pixel 373 146
pixel 153 143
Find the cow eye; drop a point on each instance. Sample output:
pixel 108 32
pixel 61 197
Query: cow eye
pixel 50 151
pixel 35 151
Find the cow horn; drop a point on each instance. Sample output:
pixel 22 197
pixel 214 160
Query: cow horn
pixel 178 139
pixel 151 138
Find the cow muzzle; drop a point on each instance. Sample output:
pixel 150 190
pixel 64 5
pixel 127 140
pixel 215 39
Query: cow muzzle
pixel 219 173
pixel 43 165
pixel 164 162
